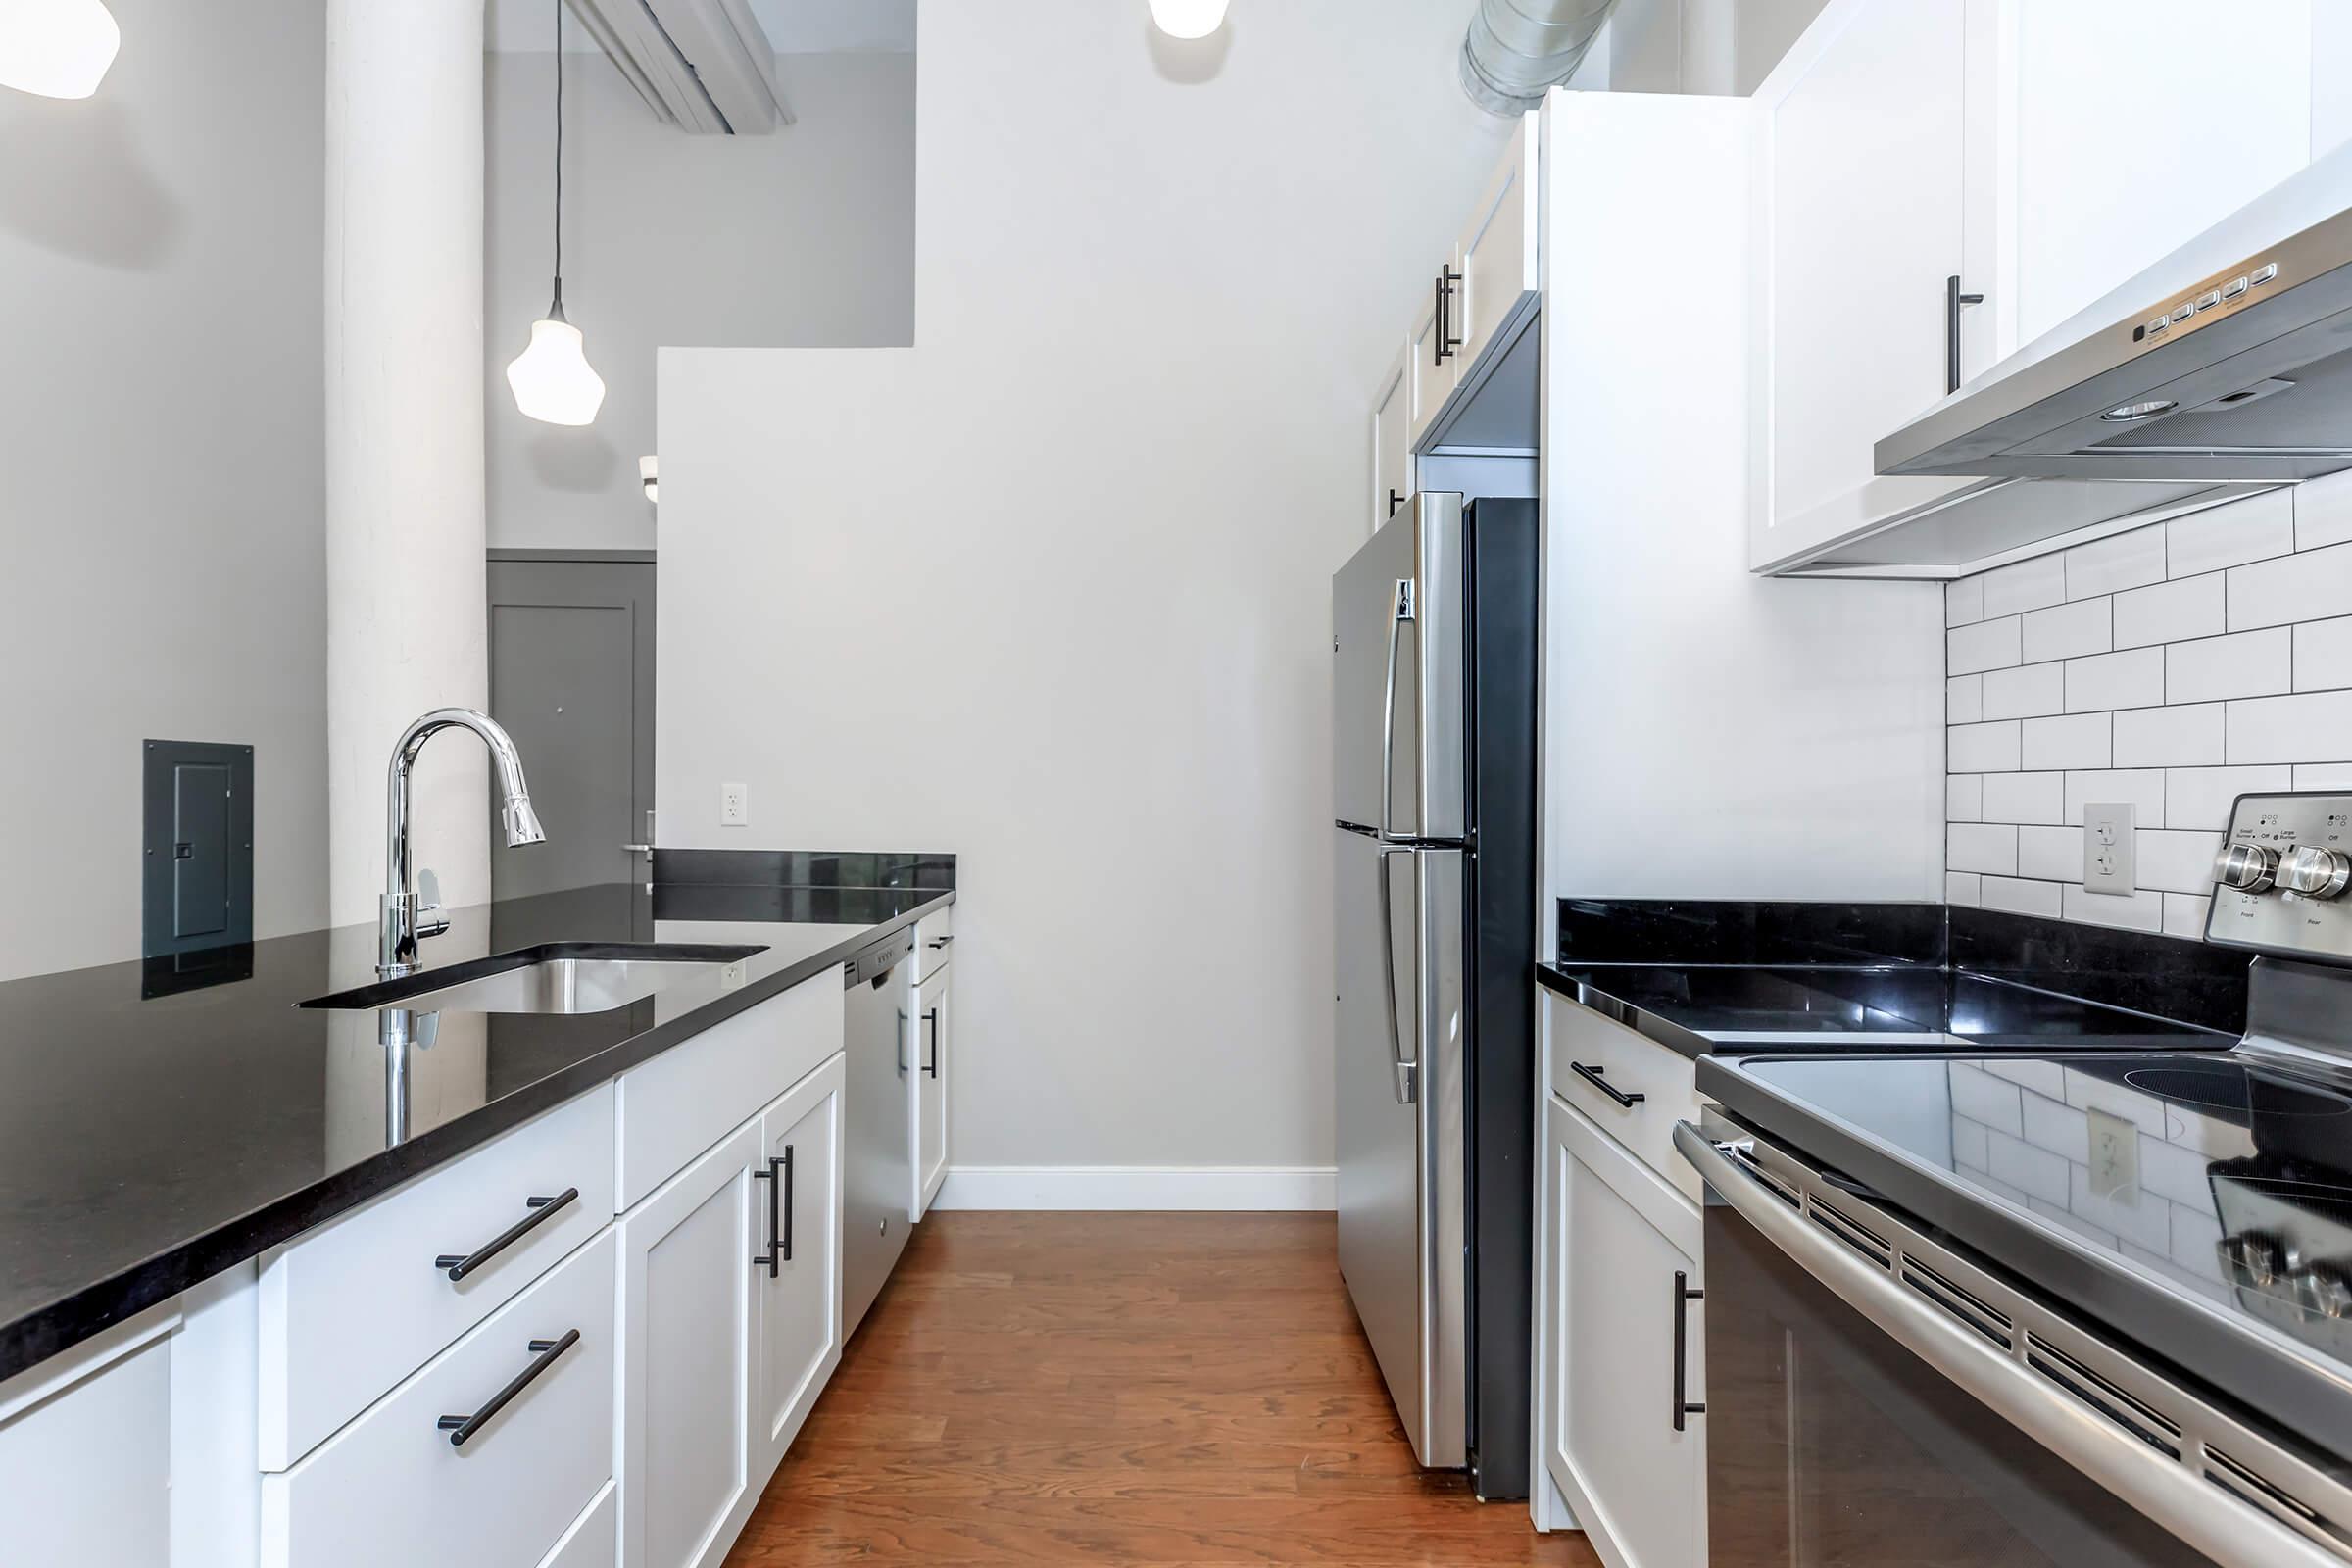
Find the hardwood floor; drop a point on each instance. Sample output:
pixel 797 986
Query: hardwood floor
pixel 1168 1388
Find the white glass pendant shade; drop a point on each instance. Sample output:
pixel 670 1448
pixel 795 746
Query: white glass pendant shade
pixel 1189 19
pixel 55 48
pixel 552 379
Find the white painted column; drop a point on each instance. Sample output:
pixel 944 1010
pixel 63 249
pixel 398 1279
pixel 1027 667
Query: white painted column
pixel 405 530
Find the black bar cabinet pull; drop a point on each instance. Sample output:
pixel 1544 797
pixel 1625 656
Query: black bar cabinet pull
pixel 1684 1296
pixel 779 1231
pixel 1448 338
pixel 460 1264
pixel 1395 501
pixel 1953 301
pixel 462 1427
pixel 1592 1075
pixel 931 1018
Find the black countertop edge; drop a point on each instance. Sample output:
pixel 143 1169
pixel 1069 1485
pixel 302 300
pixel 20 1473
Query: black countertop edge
pixel 896 869
pixel 1665 1030
pixel 67 1321
pixel 2038 1260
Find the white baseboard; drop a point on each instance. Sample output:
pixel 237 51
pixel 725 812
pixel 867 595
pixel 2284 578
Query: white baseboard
pixel 1222 1187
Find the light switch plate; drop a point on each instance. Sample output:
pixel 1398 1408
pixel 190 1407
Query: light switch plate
pixel 734 805
pixel 2108 840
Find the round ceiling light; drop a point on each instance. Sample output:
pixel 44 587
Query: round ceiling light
pixel 2132 413
pixel 1189 19
pixel 55 48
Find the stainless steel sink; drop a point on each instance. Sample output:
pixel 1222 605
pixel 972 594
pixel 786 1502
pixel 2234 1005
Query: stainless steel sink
pixel 562 977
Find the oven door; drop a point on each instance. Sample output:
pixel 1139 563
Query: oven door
pixel 1851 1420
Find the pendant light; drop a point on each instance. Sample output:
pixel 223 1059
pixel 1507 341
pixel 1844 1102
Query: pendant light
pixel 55 48
pixel 1189 19
pixel 552 379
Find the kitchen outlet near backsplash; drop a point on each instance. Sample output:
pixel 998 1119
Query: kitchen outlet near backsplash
pixel 2167 671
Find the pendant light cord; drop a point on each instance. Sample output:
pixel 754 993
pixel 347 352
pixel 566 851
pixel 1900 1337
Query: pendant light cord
pixel 558 305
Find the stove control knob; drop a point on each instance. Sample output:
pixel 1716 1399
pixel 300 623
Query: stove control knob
pixel 2246 867
pixel 2323 1290
pixel 2314 872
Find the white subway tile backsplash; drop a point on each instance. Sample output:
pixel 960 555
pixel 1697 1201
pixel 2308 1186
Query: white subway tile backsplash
pixel 2144 787
pixel 2020 798
pixel 2046 1078
pixel 2172 1170
pixel 1964 601
pixel 1986 1099
pixel 2197 1240
pixel 2124 560
pixel 2176 860
pixel 2192 607
pixel 2037 1171
pixel 2200 797
pixel 2018 897
pixel 1964 798
pixel 2077 740
pixel 2169 737
pixel 1969 1145
pixel 2322 657
pixel 1962 699
pixel 2133 679
pixel 2246 664
pixel 2315 727
pixel 2185 915
pixel 1981 748
pixel 2053 1124
pixel 2230 535
pixel 2028 585
pixel 2026 691
pixel 1960 888
pixel 2085 627
pixel 1984 644
pixel 2134 911
pixel 2308 585
pixel 2322 511
pixel 2049 854
pixel 1981 847
pixel 2324 776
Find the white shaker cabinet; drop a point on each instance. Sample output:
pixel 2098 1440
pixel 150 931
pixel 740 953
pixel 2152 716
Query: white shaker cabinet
pixel 1433 362
pixel 85 1462
pixel 934 1032
pixel 1496 254
pixel 689 1325
pixel 1392 442
pixel 799 1271
pixel 1623 1248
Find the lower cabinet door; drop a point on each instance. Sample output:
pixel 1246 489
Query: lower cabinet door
pixel 800 1341
pixel 1614 1314
pixel 689 1337
pixel 85 1474
pixel 934 1024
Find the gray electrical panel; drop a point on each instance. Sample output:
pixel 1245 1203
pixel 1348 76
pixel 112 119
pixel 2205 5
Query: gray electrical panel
pixel 196 865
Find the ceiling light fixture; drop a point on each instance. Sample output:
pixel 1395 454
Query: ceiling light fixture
pixel 55 48
pixel 649 475
pixel 1189 19
pixel 552 379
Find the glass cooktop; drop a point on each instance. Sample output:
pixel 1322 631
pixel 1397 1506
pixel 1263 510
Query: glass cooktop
pixel 2220 1174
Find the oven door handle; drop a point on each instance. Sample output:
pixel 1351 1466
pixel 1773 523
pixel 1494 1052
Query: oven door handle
pixel 2231 1534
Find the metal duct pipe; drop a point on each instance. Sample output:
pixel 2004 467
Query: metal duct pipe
pixel 1517 48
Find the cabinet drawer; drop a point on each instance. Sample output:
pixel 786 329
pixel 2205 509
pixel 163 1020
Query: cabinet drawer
pixel 934 941
pixel 351 1308
pixel 1631 1064
pixel 693 1094
pixel 392 1490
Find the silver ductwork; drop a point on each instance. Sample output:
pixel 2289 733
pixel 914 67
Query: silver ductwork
pixel 1515 49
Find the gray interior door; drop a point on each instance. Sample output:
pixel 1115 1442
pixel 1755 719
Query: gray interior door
pixel 571 678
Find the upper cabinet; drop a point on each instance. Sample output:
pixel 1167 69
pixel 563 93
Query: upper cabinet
pixel 1392 442
pixel 1494 260
pixel 2040 152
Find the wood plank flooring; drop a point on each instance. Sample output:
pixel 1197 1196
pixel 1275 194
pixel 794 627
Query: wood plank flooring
pixel 1166 1389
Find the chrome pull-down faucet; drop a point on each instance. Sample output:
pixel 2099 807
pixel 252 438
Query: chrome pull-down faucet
pixel 398 925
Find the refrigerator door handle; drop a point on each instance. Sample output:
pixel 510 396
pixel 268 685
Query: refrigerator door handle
pixel 1401 612
pixel 1408 1072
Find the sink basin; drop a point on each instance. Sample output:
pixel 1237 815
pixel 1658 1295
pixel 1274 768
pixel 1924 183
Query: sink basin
pixel 557 977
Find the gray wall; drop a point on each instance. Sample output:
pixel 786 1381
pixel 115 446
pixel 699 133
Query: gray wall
pixel 160 433
pixel 804 237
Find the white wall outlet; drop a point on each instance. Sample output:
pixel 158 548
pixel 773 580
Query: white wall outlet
pixel 2114 1158
pixel 734 805
pixel 2108 840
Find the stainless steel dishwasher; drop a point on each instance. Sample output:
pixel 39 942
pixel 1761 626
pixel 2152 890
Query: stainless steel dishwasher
pixel 880 1152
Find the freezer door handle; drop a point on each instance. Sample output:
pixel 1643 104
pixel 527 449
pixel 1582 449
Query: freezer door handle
pixel 1402 611
pixel 1407 1071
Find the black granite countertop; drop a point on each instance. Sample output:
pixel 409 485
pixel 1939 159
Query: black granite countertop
pixel 159 1124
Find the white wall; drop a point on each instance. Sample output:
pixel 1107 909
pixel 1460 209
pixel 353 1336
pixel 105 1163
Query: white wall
pixel 160 433
pixel 1050 588
pixel 804 236
pixel 1693 46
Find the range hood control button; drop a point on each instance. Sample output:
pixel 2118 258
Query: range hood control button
pixel 2246 867
pixel 2314 872
pixel 2234 288
pixel 2209 298
pixel 2265 272
pixel 2181 313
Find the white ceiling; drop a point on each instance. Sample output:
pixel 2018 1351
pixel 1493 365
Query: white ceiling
pixel 794 26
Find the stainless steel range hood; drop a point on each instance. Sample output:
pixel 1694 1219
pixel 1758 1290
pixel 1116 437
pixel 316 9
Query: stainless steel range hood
pixel 2231 360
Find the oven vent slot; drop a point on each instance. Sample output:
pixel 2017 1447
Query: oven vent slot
pixel 1858 1237
pixel 2103 1394
pixel 2257 1491
pixel 1986 1320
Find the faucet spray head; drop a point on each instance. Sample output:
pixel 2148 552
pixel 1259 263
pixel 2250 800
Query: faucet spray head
pixel 522 822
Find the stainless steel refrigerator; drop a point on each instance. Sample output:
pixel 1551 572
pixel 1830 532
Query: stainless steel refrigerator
pixel 1434 888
